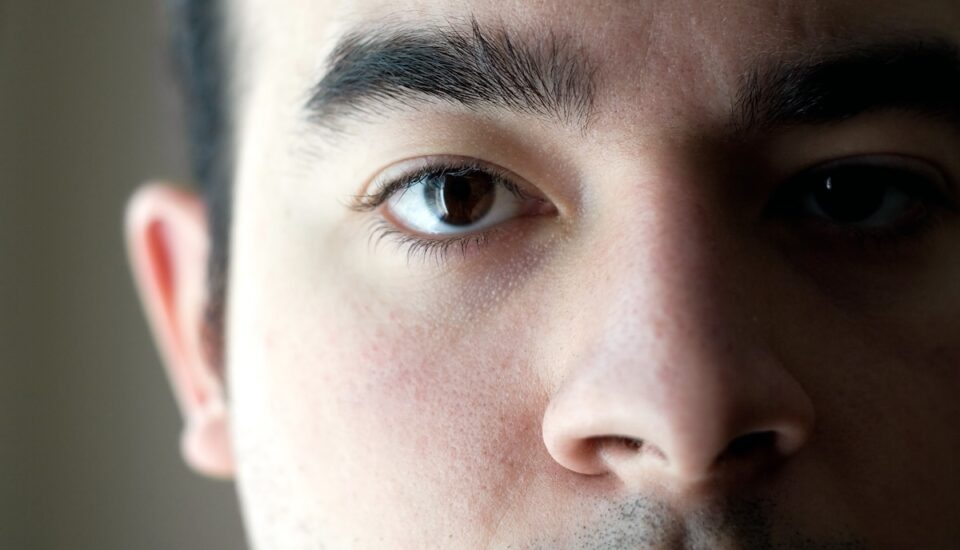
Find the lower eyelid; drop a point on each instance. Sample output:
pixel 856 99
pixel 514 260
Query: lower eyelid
pixel 425 249
pixel 439 250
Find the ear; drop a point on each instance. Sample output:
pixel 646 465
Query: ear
pixel 168 246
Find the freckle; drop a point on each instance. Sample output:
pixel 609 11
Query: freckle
pixel 269 340
pixel 331 338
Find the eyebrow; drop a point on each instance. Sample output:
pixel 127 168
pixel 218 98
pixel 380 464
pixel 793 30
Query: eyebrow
pixel 375 69
pixel 920 75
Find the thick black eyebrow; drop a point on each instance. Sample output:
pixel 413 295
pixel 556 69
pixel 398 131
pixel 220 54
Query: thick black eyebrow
pixel 376 68
pixel 917 75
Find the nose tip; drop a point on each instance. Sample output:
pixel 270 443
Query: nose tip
pixel 678 443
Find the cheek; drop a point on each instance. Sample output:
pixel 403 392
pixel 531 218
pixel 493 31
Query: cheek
pixel 372 401
pixel 451 401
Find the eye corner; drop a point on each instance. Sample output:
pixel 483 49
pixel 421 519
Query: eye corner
pixel 364 203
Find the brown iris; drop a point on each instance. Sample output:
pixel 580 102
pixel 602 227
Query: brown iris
pixel 461 198
pixel 853 196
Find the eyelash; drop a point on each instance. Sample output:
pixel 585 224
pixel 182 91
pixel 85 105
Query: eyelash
pixel 422 248
pixel 419 248
pixel 383 191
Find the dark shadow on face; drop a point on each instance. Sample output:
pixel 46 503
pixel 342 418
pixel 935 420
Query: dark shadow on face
pixel 644 522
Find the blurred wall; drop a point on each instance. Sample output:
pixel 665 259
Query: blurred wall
pixel 88 428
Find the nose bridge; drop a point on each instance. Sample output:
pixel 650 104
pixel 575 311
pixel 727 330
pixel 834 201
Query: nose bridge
pixel 672 281
pixel 672 357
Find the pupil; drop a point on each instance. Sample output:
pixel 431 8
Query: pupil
pixel 462 199
pixel 850 197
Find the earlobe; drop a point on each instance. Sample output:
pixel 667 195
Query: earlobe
pixel 205 442
pixel 168 246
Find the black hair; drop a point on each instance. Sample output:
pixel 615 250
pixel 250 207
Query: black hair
pixel 197 35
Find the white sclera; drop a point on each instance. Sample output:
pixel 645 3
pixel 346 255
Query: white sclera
pixel 412 209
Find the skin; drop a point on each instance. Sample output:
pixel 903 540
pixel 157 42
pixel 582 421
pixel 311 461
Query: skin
pixel 371 399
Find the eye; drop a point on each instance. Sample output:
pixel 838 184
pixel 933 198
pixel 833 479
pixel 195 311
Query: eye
pixel 865 195
pixel 443 201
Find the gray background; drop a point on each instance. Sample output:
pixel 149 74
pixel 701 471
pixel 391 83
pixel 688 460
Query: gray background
pixel 88 428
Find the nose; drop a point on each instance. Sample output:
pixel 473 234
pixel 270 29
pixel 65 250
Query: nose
pixel 673 379
pixel 681 422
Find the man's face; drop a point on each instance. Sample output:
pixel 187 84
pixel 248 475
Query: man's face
pixel 695 282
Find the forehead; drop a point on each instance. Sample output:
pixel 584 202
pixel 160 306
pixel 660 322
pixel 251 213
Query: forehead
pixel 650 20
pixel 652 56
pixel 639 27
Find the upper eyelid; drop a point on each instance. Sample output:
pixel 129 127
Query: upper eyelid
pixel 890 159
pixel 932 171
pixel 383 187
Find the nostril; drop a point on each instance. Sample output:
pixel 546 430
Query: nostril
pixel 628 447
pixel 750 445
